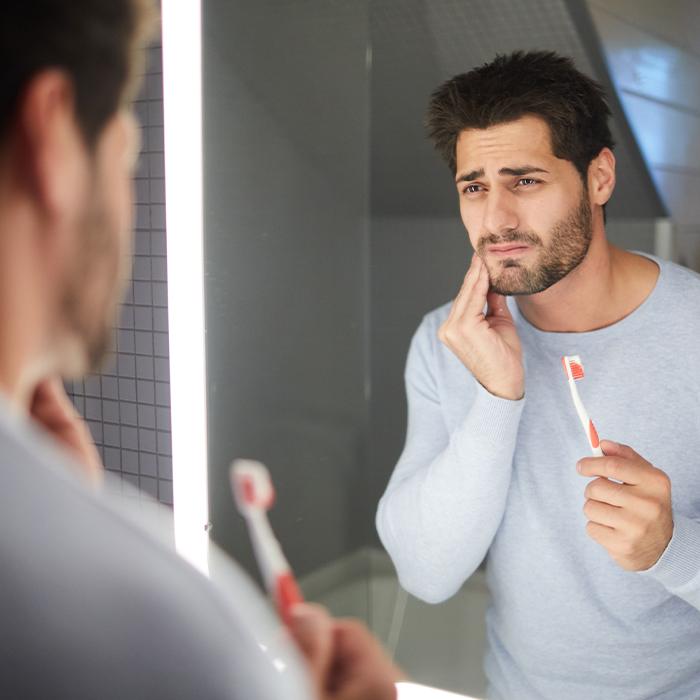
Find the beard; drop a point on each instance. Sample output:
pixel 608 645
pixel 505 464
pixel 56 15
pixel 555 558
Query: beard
pixel 93 289
pixel 569 241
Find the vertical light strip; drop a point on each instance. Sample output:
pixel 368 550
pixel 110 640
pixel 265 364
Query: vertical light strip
pixel 413 691
pixel 182 107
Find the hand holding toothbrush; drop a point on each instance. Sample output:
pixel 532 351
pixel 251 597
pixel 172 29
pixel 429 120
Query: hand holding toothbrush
pixel 628 504
pixel 346 661
pixel 633 518
pixel 487 344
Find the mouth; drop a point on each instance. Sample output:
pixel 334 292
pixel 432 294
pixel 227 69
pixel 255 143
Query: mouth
pixel 508 249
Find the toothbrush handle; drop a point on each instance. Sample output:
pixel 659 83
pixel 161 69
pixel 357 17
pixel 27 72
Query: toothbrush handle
pixel 593 439
pixel 287 595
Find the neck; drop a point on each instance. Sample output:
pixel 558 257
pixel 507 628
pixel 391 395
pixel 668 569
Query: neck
pixel 608 285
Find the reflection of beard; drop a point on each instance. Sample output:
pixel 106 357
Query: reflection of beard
pixel 93 289
pixel 570 239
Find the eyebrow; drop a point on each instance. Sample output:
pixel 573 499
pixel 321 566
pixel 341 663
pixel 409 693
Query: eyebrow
pixel 513 172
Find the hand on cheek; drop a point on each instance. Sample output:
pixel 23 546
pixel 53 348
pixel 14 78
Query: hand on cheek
pixel 632 519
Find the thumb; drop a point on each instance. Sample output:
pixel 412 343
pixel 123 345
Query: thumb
pixel 496 305
pixel 312 628
pixel 616 449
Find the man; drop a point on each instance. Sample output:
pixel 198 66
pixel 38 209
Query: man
pixel 90 605
pixel 594 571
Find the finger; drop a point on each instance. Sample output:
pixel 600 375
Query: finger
pixel 362 669
pixel 607 491
pixel 312 628
pixel 466 293
pixel 476 301
pixel 617 449
pixel 618 468
pixel 605 514
pixel 468 276
pixel 601 534
pixel 497 305
pixel 630 499
pixel 457 304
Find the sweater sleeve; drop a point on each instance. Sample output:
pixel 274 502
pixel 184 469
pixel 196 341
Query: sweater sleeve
pixel 678 568
pixel 447 494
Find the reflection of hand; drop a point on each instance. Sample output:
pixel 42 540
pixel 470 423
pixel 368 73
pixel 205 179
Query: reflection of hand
pixel 346 661
pixel 488 345
pixel 51 407
pixel 633 519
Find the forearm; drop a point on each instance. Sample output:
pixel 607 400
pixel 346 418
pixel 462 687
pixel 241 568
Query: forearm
pixel 438 518
pixel 678 568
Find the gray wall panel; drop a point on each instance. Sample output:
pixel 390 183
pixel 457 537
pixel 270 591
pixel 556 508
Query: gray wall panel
pixel 286 115
pixel 654 56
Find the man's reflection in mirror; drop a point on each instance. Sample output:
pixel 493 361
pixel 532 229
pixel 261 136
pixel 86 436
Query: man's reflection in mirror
pixel 593 567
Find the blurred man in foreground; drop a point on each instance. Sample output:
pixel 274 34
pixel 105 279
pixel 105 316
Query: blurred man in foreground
pixel 92 606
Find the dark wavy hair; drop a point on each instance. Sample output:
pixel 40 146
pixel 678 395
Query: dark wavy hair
pixel 539 83
pixel 96 42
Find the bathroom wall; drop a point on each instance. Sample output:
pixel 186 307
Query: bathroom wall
pixel 286 109
pixel 438 645
pixel 127 406
pixel 653 52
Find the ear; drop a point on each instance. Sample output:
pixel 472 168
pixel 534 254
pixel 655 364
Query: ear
pixel 601 177
pixel 50 153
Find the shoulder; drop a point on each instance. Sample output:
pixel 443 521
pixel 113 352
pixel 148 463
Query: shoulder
pixel 679 278
pixel 430 357
pixel 82 571
pixel 425 343
pixel 679 292
pixel 431 322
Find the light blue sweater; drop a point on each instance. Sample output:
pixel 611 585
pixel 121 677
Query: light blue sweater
pixel 480 475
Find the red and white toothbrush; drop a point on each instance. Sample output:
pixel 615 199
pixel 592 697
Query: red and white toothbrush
pixel 254 495
pixel 574 372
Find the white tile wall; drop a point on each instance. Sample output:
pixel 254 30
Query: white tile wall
pixel 128 406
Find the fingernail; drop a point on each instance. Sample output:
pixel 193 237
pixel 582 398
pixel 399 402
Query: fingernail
pixel 578 467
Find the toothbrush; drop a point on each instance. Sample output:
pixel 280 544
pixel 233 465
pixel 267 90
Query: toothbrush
pixel 254 495
pixel 574 372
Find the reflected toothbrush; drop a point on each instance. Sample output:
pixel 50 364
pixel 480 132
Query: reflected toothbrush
pixel 574 372
pixel 254 495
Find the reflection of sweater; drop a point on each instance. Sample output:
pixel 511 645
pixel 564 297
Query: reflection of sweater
pixel 482 475
pixel 93 605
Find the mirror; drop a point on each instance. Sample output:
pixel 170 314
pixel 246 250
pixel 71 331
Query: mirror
pixel 330 229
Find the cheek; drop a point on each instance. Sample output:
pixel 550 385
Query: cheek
pixel 469 220
pixel 120 205
pixel 126 215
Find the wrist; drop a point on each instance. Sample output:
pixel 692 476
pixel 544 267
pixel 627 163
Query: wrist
pixel 510 393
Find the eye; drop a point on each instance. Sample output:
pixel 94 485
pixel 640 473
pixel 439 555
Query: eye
pixel 471 189
pixel 527 181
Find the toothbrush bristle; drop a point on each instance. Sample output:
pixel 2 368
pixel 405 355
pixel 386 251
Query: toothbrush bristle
pixel 247 489
pixel 576 370
pixel 574 365
pixel 252 485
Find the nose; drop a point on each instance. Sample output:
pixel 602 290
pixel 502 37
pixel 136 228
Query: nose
pixel 499 214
